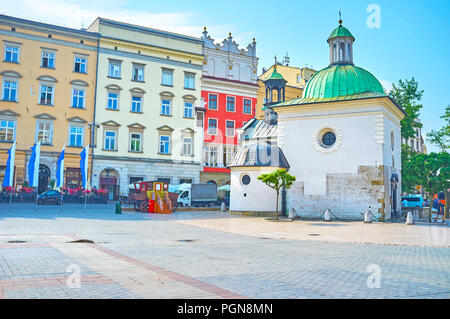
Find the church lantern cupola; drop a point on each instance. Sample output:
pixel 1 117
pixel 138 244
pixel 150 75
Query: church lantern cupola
pixel 341 45
pixel 277 83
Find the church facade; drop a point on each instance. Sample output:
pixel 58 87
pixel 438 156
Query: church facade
pixel 341 140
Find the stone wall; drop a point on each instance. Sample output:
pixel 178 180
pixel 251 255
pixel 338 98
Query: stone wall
pixel 347 196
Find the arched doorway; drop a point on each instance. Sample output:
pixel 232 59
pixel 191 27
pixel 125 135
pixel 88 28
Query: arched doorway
pixel 109 180
pixel 44 178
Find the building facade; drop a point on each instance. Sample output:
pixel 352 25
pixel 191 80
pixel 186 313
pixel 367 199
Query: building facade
pixel 48 80
pixel 148 90
pixel 416 143
pixel 229 91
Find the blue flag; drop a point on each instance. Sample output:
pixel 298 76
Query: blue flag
pixel 60 169
pixel 84 166
pixel 9 173
pixel 33 165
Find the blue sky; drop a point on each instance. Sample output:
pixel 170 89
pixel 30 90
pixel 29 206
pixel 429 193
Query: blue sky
pixel 412 41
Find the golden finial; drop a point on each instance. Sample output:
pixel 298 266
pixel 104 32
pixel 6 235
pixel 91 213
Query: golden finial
pixel 204 29
pixel 229 35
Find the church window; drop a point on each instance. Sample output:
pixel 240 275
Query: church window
pixel 342 51
pixel 328 139
pixel 245 179
pixel 392 140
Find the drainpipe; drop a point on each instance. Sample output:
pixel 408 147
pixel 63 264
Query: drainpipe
pixel 93 120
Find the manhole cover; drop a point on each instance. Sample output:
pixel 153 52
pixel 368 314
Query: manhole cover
pixel 187 240
pixel 81 241
pixel 17 241
pixel 313 234
pixel 264 238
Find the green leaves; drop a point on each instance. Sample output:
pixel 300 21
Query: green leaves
pixel 408 96
pixel 277 179
pixel 431 171
pixel 441 138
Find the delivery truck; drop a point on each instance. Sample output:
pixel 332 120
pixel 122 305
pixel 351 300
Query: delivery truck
pixel 199 194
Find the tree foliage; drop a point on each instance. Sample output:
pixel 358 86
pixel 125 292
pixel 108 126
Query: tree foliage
pixel 432 171
pixel 408 96
pixel 441 138
pixel 277 180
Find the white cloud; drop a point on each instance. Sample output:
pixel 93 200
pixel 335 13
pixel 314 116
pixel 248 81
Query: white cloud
pixel 81 13
pixel 386 85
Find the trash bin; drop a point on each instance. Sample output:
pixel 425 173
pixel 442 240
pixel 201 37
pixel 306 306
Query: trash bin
pixel 118 208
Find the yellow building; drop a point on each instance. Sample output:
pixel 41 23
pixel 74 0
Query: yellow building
pixel 296 78
pixel 48 80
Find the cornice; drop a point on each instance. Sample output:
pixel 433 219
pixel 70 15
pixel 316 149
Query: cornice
pixel 152 49
pixel 226 84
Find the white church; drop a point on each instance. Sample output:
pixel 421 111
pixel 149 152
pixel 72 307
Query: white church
pixel 341 140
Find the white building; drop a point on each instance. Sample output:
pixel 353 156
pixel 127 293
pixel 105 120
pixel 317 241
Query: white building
pixel 342 140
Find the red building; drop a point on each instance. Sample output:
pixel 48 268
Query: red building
pixel 229 90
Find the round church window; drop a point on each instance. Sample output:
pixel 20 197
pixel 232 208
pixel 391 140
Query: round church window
pixel 245 180
pixel 328 139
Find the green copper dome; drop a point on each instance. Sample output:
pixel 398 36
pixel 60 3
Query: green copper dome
pixel 340 81
pixel 275 75
pixel 341 31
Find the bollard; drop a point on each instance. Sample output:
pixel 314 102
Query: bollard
pixel 410 218
pixel 292 213
pixel 222 207
pixel 118 208
pixel 327 215
pixel 367 217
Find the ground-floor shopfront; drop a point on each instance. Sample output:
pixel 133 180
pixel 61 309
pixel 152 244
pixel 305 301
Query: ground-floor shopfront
pixel 47 169
pixel 116 173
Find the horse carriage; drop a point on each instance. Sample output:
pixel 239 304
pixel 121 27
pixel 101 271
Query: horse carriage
pixel 153 197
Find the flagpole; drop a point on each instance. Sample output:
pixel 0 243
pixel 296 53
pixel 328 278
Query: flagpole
pixel 8 180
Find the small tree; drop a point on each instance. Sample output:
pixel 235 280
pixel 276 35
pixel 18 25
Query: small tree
pixel 277 180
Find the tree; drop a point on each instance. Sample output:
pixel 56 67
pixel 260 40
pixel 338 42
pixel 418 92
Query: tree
pixel 441 138
pixel 432 171
pixel 409 169
pixel 408 96
pixel 277 180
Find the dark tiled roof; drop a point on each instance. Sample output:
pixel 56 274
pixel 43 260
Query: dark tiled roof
pixel 259 129
pixel 259 154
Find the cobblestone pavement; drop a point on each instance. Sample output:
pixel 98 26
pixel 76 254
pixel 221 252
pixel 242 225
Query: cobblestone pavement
pixel 208 255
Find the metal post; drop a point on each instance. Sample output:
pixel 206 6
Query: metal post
pixel 283 202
